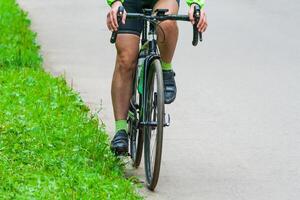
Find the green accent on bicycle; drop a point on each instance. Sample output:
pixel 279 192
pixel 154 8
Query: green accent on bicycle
pixel 143 53
pixel 166 66
pixel 141 81
pixel 121 125
pixel 130 114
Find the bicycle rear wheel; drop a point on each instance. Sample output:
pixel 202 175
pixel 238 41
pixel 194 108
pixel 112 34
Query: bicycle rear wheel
pixel 153 130
pixel 135 133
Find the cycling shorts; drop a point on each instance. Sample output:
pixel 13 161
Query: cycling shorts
pixel 135 26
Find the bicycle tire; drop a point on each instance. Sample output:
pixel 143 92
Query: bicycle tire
pixel 136 138
pixel 154 112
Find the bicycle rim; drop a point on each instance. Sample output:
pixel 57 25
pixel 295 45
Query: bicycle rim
pixel 135 134
pixel 136 144
pixel 153 135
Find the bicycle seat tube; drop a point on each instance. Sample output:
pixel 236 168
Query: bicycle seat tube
pixel 147 12
pixel 152 39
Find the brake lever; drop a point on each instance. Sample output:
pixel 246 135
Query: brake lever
pixel 114 34
pixel 196 35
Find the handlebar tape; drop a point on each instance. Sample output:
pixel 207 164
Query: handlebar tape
pixel 196 36
pixel 119 18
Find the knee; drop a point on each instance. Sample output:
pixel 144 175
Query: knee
pixel 169 27
pixel 168 31
pixel 126 62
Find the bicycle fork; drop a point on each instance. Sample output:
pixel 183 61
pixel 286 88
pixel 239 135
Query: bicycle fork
pixel 153 124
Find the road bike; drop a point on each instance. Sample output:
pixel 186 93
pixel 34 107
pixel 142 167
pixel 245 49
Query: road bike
pixel 146 116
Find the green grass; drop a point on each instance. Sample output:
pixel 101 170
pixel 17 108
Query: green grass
pixel 50 146
pixel 17 44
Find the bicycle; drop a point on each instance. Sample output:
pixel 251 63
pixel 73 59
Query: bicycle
pixel 146 116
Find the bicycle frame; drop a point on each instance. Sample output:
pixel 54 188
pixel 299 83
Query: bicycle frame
pixel 147 114
pixel 149 42
pixel 152 53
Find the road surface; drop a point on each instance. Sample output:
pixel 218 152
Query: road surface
pixel 235 131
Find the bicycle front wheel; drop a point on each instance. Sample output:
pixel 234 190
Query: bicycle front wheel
pixel 153 130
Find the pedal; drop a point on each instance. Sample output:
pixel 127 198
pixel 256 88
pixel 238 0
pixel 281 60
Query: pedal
pixel 167 120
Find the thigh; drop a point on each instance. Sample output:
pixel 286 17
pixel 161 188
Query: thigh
pixel 127 46
pixel 172 5
pixel 167 29
pixel 132 26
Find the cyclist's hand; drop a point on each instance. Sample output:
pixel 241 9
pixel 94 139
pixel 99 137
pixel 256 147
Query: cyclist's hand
pixel 202 24
pixel 112 21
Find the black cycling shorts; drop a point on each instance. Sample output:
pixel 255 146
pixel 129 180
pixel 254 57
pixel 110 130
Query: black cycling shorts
pixel 135 26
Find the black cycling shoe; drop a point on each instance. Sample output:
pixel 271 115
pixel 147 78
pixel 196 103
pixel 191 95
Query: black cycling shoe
pixel 119 144
pixel 170 89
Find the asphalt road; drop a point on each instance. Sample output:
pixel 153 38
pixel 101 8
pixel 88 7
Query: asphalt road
pixel 235 131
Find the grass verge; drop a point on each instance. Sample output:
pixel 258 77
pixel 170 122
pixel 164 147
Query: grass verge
pixel 50 147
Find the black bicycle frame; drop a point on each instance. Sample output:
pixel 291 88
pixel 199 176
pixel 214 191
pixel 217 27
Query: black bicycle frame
pixel 152 52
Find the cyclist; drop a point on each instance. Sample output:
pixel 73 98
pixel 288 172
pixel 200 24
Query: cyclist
pixel 127 45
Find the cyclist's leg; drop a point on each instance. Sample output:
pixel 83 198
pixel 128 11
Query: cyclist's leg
pixel 167 40
pixel 127 46
pixel 168 34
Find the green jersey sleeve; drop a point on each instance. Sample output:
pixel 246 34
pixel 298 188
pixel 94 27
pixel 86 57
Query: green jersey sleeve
pixel 199 2
pixel 109 2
